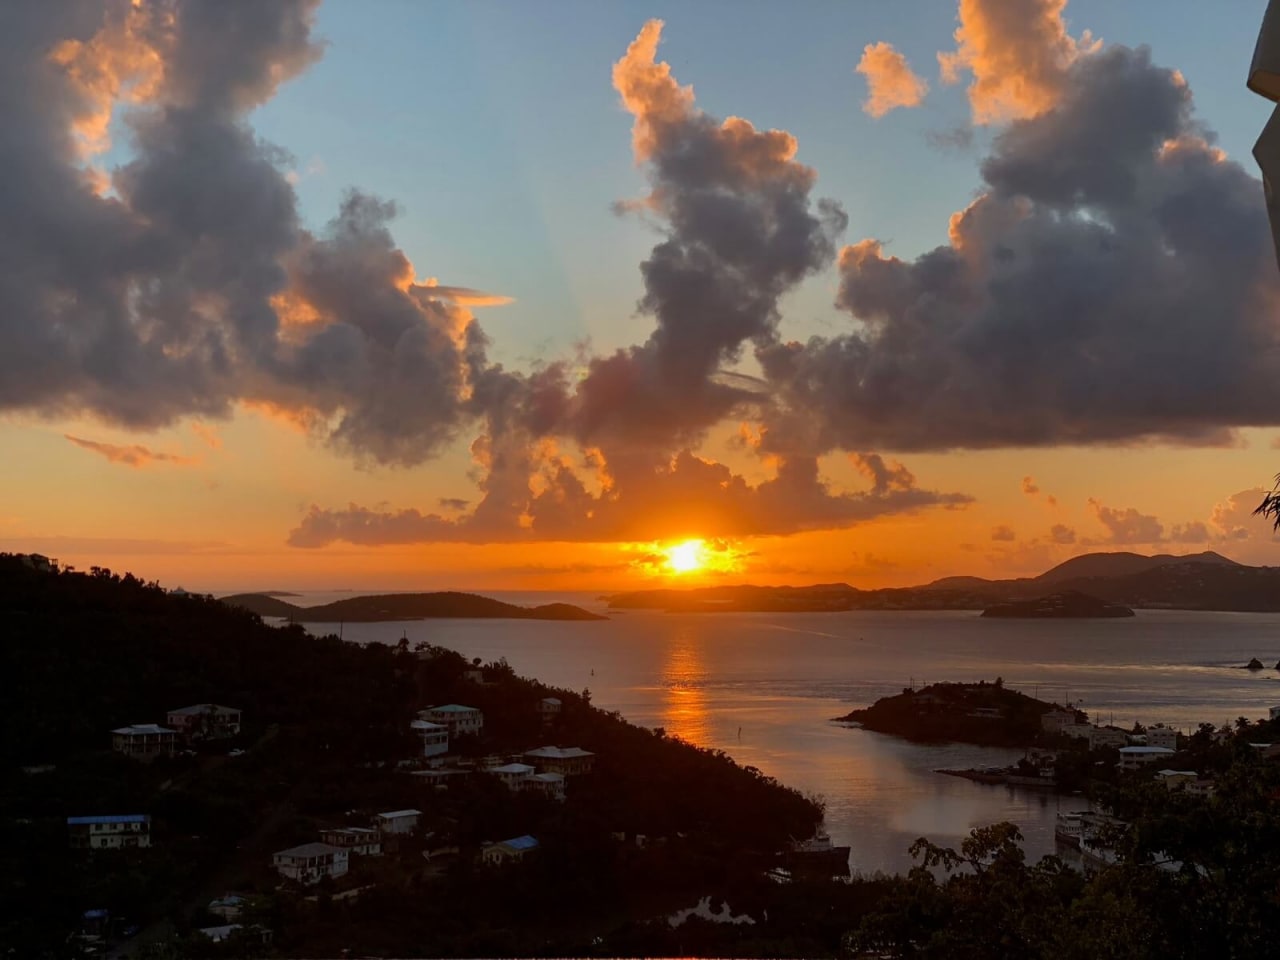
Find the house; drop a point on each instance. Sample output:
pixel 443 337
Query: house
pixel 474 675
pixel 434 737
pixel 1274 713
pixel 1162 736
pixel 1056 719
pixel 397 821
pixel 549 708
pixel 229 906
pixel 508 851
pixel 1131 758
pixel 205 721
pixel 1077 731
pixel 986 713
pixel 548 784
pixel 1176 779
pixel 1200 788
pixel 144 741
pixel 37 561
pixel 224 932
pixel 567 761
pixel 364 841
pixel 512 775
pixel 130 830
pixel 311 862
pixel 458 718
pixel 1106 737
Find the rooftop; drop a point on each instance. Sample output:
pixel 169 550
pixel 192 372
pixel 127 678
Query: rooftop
pixel 427 725
pixel 555 700
pixel 397 814
pixel 110 818
pixel 1177 773
pixel 1146 751
pixel 512 768
pixel 453 708
pixel 309 850
pixel 549 777
pixel 140 729
pixel 559 753
pixel 199 708
pixel 520 843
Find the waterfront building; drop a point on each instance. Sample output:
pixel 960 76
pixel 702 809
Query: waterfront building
pixel 1131 758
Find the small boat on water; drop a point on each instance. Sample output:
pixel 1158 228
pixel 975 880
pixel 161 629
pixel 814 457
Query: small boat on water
pixel 818 855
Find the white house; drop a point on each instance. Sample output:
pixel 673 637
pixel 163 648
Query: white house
pixel 1131 758
pixel 130 830
pixel 205 721
pixel 1106 737
pixel 364 841
pixel 434 737
pixel 144 741
pixel 1162 736
pixel 397 821
pixel 1056 719
pixel 474 675
pixel 567 761
pixel 515 849
pixel 458 718
pixel 549 708
pixel 548 784
pixel 512 775
pixel 311 862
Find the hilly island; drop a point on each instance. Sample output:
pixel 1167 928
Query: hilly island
pixel 1097 585
pixel 405 606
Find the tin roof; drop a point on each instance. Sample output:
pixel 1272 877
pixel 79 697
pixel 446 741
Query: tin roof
pixel 140 729
pixel 521 843
pixel 397 814
pixel 110 818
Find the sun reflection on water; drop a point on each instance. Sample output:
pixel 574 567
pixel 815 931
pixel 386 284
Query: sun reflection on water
pixel 684 676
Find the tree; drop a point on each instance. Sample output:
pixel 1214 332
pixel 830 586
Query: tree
pixel 1270 505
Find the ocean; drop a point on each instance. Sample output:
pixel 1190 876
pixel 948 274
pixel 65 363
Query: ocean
pixel 765 687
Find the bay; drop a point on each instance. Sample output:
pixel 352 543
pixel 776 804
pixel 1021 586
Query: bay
pixel 764 687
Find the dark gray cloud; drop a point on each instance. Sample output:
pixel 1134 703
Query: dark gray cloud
pixel 1113 282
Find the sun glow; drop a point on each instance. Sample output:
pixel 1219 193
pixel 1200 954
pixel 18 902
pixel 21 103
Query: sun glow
pixel 686 557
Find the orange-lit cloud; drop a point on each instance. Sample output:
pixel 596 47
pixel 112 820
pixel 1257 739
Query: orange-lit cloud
pixel 464 296
pixel 649 91
pixel 890 81
pixel 1018 52
pixel 133 455
pixel 1003 532
pixel 208 435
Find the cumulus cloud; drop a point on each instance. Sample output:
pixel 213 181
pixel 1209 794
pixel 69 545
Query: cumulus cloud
pixel 1113 282
pixel 890 81
pixel 639 499
pixel 1018 52
pixel 1061 533
pixel 1029 486
pixel 1233 518
pixel 1003 532
pixel 132 455
pixel 1128 525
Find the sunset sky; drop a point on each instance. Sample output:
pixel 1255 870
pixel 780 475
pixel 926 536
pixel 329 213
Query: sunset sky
pixel 372 294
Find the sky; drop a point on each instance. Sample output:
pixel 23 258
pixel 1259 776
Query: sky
pixel 593 296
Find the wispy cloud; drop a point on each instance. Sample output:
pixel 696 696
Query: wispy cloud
pixel 133 455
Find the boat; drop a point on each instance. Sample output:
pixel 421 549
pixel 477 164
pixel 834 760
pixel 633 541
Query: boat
pixel 1068 829
pixel 818 855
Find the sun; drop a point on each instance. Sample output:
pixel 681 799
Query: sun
pixel 686 557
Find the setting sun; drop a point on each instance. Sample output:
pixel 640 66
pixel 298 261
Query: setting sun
pixel 686 557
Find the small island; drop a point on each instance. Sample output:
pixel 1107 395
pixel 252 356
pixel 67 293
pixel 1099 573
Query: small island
pixel 1059 606
pixel 406 606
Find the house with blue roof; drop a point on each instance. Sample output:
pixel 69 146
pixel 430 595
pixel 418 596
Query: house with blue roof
pixel 109 832
pixel 458 718
pixel 508 851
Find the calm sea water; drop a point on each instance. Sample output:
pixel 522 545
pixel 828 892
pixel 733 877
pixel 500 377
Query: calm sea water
pixel 764 687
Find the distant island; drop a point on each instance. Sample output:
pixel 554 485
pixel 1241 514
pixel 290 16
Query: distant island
pixel 405 606
pixel 1201 581
pixel 1058 606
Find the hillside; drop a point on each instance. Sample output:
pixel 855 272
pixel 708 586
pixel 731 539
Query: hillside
pixel 1123 564
pixel 406 606
pixel 1069 605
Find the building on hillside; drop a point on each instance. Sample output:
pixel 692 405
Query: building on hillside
pixel 458 718
pixel 229 906
pixel 512 775
pixel 986 713
pixel 567 761
pixel 1176 779
pixel 144 741
pixel 550 785
pixel 1200 788
pixel 434 737
pixel 112 832
pixel 1162 736
pixel 1131 758
pixel 1107 737
pixel 311 862
pixel 363 841
pixel 1274 713
pixel 205 721
pixel 549 708
pixel 508 851
pixel 397 821
pixel 474 675
pixel 1077 731
pixel 38 561
pixel 1055 720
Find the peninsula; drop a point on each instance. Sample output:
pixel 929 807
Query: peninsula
pixel 405 606
pixel 1071 605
